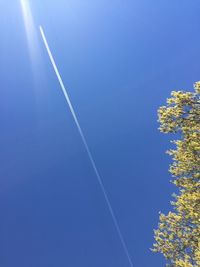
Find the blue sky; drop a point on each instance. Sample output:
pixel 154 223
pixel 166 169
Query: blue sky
pixel 119 61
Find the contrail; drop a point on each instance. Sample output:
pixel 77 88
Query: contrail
pixel 86 147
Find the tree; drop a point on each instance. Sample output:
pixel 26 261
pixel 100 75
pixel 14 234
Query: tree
pixel 178 233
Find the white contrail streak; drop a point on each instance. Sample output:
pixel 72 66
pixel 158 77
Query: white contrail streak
pixel 86 146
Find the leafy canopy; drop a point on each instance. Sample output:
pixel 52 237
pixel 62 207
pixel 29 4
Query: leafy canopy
pixel 178 233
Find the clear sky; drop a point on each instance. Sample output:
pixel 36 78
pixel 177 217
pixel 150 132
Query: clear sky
pixel 119 60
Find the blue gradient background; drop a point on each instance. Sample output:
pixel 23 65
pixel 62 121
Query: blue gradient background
pixel 119 61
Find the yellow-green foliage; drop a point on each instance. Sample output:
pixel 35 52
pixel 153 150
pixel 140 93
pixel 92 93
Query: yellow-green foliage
pixel 178 233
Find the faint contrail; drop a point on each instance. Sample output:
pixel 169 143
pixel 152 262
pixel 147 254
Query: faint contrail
pixel 86 146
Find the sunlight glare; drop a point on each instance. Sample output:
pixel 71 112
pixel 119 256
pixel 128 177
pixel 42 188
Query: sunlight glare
pixel 29 27
pixel 36 63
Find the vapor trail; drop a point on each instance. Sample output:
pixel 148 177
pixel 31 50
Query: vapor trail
pixel 86 147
